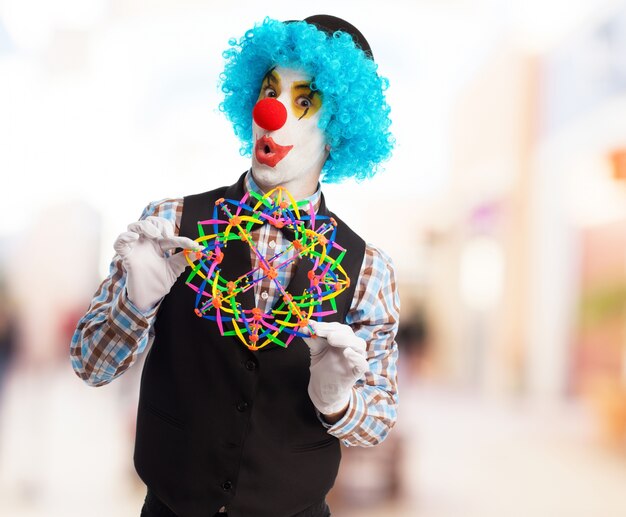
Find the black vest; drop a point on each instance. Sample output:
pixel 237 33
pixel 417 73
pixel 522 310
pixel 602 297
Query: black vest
pixel 218 424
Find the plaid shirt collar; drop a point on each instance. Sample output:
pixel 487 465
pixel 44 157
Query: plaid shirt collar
pixel 314 199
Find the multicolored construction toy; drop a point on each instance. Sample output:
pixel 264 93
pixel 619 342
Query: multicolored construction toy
pixel 312 239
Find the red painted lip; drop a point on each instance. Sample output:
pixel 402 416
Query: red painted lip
pixel 269 152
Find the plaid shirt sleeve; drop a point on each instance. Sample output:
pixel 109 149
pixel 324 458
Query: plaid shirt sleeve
pixel 113 332
pixel 373 316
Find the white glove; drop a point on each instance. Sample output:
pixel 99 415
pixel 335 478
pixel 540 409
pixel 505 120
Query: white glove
pixel 338 360
pixel 150 273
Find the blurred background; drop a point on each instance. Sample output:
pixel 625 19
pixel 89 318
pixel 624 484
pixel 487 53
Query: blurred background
pixel 503 208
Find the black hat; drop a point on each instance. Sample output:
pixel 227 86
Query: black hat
pixel 331 24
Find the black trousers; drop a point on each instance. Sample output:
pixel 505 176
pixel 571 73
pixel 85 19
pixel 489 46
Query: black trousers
pixel 152 507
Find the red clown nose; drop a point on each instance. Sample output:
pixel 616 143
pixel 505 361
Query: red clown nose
pixel 270 114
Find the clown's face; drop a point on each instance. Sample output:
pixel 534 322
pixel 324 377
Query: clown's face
pixel 289 148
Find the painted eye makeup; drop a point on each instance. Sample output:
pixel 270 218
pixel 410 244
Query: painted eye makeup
pixel 270 86
pixel 305 102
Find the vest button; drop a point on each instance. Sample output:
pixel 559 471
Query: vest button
pixel 250 365
pixel 227 485
pixel 242 406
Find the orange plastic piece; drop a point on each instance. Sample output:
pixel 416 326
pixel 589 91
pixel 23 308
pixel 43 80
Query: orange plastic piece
pixel 219 258
pixel 198 313
pixel 311 274
pixel 338 285
pixel 279 224
pixel 322 240
pixel 256 314
pixel 230 286
pixel 254 338
pixel 272 273
pixel 235 220
pixel 287 298
pixel 284 204
pixel 217 302
pixel 219 201
pixel 333 222
pixel 297 245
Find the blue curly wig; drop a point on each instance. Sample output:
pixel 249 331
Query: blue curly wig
pixel 355 114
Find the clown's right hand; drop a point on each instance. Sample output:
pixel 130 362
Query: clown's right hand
pixel 151 273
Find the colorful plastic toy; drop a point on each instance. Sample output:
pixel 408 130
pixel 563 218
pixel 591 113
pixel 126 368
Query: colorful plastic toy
pixel 312 244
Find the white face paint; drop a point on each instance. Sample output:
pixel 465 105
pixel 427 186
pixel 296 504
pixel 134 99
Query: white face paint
pixel 275 164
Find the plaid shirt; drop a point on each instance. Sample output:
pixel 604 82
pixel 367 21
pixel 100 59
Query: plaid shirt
pixel 113 332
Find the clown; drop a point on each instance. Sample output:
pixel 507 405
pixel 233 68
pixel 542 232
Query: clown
pixel 222 429
pixel 288 111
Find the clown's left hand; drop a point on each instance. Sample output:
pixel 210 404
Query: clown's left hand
pixel 338 360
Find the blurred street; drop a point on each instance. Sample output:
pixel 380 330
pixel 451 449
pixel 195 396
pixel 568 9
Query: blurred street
pixel 462 455
pixel 487 459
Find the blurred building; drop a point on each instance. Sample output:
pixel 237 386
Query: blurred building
pixel 478 293
pixel 528 297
